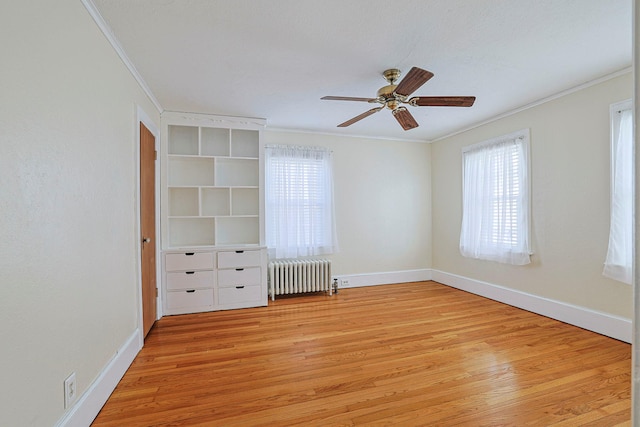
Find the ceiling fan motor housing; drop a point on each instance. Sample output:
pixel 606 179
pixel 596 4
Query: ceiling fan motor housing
pixel 387 96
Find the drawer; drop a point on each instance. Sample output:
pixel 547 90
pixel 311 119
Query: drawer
pixel 239 294
pixel 233 259
pixel 188 261
pixel 190 299
pixel 240 276
pixel 190 279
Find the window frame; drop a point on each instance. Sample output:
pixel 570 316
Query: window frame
pixel 614 271
pixel 504 247
pixel 318 208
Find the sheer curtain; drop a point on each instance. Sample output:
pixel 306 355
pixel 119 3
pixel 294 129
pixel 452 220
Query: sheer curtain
pixel 299 201
pixel 619 262
pixel 495 211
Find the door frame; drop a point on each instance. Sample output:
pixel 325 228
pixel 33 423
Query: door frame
pixel 145 119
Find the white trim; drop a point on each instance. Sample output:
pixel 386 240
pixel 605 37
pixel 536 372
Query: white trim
pixel 312 132
pixel 111 38
pixel 93 399
pixel 582 317
pixel 384 278
pixel 200 119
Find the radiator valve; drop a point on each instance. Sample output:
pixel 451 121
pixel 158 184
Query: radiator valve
pixel 335 286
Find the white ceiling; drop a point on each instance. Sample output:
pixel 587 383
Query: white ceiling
pixel 275 59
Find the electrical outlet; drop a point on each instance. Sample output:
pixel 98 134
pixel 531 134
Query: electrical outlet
pixel 345 283
pixel 70 390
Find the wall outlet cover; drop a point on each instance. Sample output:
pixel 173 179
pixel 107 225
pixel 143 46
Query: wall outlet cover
pixel 70 390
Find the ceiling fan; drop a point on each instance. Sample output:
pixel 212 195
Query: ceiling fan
pixel 392 96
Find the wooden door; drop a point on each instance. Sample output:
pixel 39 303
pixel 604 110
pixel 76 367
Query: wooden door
pixel 148 227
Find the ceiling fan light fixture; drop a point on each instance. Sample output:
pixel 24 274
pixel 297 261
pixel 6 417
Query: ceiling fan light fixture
pixel 392 104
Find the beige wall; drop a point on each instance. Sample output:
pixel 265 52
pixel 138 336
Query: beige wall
pixel 382 201
pixel 570 201
pixel 68 269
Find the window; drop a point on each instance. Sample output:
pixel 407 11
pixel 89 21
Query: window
pixel 495 200
pixel 619 262
pixel 299 201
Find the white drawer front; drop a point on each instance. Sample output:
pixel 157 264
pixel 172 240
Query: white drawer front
pixel 190 279
pixel 242 276
pixel 187 299
pixel 188 261
pixel 233 259
pixel 239 294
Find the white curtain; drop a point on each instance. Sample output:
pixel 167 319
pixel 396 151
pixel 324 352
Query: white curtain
pixel 495 211
pixel 618 264
pixel 299 201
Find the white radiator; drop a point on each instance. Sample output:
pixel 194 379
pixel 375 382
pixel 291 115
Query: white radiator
pixel 296 276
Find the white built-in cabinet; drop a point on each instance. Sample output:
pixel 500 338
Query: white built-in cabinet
pixel 212 213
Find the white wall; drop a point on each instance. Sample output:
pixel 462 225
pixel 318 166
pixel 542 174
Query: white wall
pixel 570 201
pixel 382 201
pixel 68 269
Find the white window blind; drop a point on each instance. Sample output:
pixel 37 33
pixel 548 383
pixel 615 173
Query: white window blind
pixel 619 262
pixel 495 211
pixel 299 201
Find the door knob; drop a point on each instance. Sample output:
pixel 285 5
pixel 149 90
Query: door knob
pixel 146 240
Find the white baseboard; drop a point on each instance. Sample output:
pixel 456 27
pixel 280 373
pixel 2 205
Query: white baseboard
pixel 384 278
pixel 89 404
pixel 592 320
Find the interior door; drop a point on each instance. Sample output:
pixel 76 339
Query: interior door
pixel 148 227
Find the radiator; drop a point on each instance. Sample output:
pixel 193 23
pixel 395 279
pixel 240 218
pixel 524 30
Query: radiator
pixel 296 276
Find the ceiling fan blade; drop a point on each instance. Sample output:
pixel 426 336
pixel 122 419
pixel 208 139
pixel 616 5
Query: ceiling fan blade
pixel 360 117
pixel 404 117
pixel 442 101
pixel 347 98
pixel 415 78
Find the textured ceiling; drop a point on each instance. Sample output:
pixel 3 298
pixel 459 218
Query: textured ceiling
pixel 276 59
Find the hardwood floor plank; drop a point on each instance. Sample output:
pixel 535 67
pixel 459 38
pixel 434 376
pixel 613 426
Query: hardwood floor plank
pixel 407 354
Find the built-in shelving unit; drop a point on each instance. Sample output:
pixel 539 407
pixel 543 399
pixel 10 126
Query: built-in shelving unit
pixel 213 183
pixel 211 204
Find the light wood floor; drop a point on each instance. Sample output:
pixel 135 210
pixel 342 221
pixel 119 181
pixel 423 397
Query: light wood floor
pixel 418 354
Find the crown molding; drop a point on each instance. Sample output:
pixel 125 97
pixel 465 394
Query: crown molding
pixel 539 102
pixel 108 33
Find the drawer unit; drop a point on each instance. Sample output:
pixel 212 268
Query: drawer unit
pixel 178 280
pixel 190 300
pixel 189 261
pixel 238 259
pixel 214 279
pixel 239 276
pixel 240 295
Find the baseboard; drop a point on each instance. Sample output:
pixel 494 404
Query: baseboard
pixel 89 404
pixel 592 320
pixel 383 278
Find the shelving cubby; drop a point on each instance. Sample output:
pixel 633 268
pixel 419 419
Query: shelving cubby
pixel 213 185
